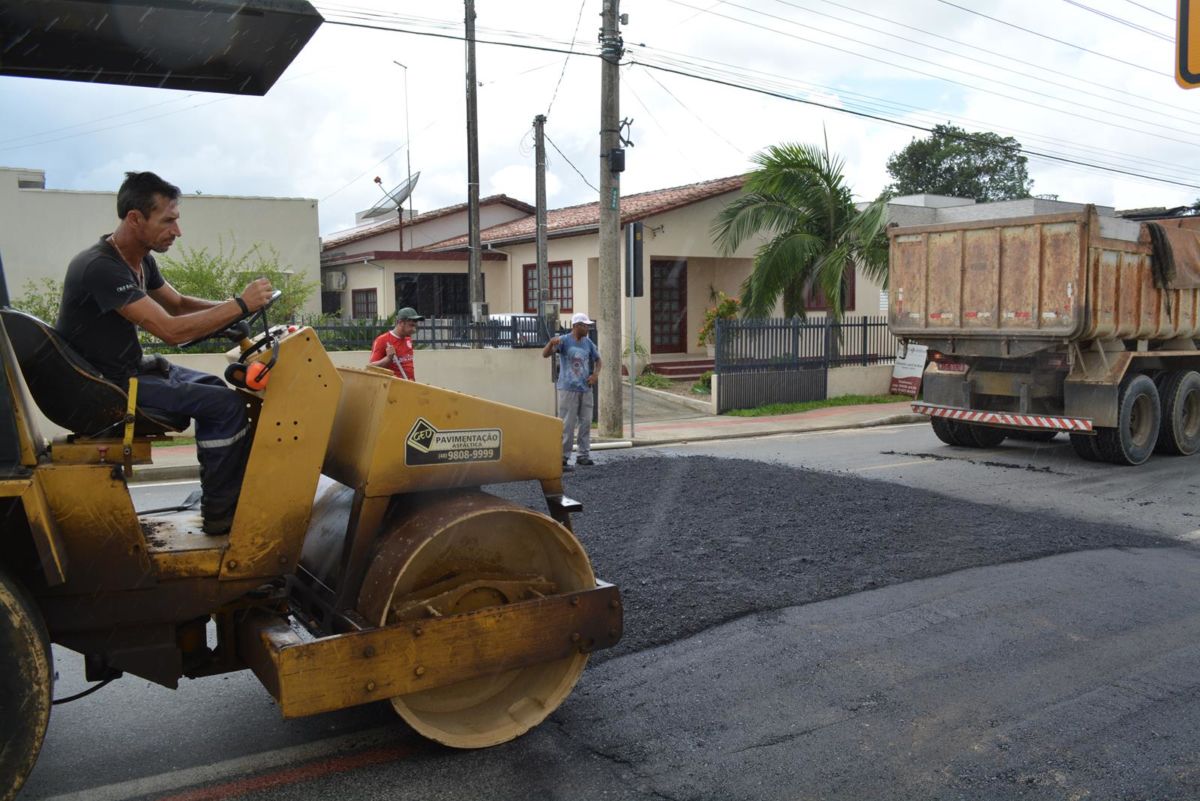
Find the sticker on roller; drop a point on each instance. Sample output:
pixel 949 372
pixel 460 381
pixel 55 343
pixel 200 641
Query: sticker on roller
pixel 427 445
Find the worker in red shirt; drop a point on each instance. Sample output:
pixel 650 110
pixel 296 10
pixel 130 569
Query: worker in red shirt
pixel 394 348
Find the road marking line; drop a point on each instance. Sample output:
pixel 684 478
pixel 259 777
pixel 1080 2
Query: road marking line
pixel 893 464
pixel 380 738
pixel 1191 536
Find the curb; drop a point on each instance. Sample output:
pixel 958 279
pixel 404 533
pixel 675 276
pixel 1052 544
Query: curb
pixel 691 403
pixel 891 420
pixel 182 472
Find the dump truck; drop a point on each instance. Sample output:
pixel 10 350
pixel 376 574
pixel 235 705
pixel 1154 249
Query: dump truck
pixel 364 563
pixel 1077 322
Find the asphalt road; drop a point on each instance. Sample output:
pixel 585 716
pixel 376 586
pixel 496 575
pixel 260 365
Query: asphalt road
pixel 954 649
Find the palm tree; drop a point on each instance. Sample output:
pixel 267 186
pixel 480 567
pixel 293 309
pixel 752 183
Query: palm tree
pixel 798 197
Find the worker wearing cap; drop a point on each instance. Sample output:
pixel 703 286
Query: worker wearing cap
pixel 394 349
pixel 579 368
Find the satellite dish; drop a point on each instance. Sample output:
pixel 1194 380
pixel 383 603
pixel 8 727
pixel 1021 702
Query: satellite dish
pixel 393 200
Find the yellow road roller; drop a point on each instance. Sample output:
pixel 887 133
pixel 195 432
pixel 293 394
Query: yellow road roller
pixel 364 563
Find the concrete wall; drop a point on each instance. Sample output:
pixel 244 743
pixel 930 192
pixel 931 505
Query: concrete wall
pixel 518 377
pixel 41 230
pixel 871 380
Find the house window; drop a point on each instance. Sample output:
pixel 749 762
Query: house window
pixel 363 304
pixel 562 286
pixel 435 294
pixel 815 301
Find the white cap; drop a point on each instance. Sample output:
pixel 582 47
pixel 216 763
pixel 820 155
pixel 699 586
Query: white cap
pixel 576 319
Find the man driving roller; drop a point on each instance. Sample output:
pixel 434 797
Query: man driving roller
pixel 115 286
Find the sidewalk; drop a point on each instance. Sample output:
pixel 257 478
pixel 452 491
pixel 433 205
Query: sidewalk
pixel 178 462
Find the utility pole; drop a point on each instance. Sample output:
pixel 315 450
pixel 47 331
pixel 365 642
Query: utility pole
pixel 612 161
pixel 543 267
pixel 474 269
pixel 408 155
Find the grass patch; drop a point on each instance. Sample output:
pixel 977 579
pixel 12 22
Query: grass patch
pixel 653 381
pixel 792 408
pixel 155 443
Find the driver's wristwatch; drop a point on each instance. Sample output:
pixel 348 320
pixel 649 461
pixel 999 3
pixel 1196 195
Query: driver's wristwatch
pixel 242 304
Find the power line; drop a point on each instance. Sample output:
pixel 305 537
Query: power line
pixel 573 167
pixel 892 23
pixel 574 36
pixel 626 84
pixel 1151 10
pixel 695 65
pixel 1189 141
pixel 688 109
pixel 1119 20
pixel 1024 150
pixel 1052 39
pixel 782 96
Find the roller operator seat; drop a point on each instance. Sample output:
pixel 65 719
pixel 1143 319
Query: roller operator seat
pixel 69 391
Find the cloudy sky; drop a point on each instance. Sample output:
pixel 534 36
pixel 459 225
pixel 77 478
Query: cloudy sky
pixel 1085 84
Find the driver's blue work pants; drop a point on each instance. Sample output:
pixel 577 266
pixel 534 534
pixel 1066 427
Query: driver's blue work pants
pixel 222 433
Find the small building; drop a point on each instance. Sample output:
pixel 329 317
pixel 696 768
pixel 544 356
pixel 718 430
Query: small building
pixel 45 228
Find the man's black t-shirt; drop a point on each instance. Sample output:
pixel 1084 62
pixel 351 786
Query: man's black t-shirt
pixel 98 283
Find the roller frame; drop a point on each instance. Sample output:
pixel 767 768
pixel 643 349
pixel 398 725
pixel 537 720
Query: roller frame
pixel 343 670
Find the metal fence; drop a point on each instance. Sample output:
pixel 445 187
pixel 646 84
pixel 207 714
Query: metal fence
pixel 507 331
pixel 787 360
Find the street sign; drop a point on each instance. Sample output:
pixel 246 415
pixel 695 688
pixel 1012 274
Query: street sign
pixel 1187 69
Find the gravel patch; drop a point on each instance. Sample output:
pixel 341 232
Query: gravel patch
pixel 696 541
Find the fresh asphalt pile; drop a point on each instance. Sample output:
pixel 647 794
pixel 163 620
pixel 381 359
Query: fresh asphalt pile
pixel 696 541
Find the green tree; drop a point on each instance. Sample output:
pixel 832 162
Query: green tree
pixel 952 161
pixel 41 299
pixel 798 197
pixel 215 276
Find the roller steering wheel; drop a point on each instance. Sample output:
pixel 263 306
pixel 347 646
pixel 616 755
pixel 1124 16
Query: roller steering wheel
pixel 236 330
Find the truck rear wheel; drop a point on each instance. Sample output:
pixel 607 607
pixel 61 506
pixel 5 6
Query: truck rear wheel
pixel 1138 418
pixel 984 436
pixel 950 432
pixel 1179 394
pixel 1087 447
pixel 456 552
pixel 26 684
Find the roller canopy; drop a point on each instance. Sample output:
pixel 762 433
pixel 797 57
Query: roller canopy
pixel 228 46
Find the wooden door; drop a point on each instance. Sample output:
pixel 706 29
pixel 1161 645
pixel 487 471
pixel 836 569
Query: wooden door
pixel 668 306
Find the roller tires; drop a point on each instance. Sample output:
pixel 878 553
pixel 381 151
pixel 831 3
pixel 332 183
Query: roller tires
pixel 26 685
pixel 469 551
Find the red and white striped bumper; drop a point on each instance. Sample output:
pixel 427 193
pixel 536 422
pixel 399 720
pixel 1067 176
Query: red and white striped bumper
pixel 1039 422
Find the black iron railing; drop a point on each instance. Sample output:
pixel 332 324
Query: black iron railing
pixel 794 344
pixel 502 331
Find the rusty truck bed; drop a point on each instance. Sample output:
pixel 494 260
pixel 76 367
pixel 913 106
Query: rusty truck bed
pixel 1033 282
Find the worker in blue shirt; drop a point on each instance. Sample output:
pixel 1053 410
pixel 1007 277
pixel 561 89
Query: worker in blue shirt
pixel 579 368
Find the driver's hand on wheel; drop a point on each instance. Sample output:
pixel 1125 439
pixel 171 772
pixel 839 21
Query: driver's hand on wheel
pixel 257 293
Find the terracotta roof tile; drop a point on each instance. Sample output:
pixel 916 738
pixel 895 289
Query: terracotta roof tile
pixel 587 216
pixel 364 232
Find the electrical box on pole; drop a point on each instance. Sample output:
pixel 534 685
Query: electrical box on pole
pixel 633 260
pixel 1187 36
